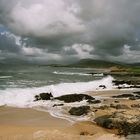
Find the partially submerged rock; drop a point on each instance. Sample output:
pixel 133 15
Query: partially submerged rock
pixel 134 97
pixel 128 82
pixel 43 96
pixel 94 101
pixel 78 111
pixel 74 98
pixel 123 96
pixel 102 86
pixel 55 105
pixel 137 92
pixel 124 84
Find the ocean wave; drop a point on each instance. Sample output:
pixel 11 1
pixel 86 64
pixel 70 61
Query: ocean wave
pixel 71 73
pixel 5 77
pixel 24 97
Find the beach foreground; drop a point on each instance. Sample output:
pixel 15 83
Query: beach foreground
pixel 28 124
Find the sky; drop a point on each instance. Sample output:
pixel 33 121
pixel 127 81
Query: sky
pixel 65 31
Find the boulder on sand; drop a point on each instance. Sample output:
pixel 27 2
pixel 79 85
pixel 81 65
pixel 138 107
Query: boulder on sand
pixel 78 111
pixel 74 98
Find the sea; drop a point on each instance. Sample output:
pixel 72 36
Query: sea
pixel 20 83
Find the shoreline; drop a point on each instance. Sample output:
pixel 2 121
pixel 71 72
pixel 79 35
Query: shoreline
pixel 32 124
pixel 28 123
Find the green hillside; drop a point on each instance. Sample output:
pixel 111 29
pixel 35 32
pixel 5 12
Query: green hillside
pixel 97 64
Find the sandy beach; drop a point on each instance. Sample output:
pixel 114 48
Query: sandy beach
pixel 28 124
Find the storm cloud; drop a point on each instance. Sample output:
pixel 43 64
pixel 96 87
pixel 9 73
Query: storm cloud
pixel 68 30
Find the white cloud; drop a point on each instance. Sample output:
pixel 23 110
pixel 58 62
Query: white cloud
pixel 45 18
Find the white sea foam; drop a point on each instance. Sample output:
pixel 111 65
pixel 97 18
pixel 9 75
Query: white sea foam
pixel 98 74
pixel 24 97
pixel 62 111
pixel 71 73
pixel 4 77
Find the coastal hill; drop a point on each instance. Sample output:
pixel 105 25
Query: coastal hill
pixel 97 64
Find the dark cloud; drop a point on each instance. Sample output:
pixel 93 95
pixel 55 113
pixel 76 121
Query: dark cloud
pixel 63 29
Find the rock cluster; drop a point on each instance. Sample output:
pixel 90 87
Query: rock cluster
pixel 70 98
pixel 134 96
pixel 75 98
pixel 127 123
pixel 130 84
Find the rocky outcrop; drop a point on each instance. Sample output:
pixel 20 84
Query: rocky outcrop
pixel 129 96
pixel 43 96
pixel 121 82
pixel 78 111
pixel 123 96
pixel 74 98
pixel 105 121
pixel 130 84
pixel 127 123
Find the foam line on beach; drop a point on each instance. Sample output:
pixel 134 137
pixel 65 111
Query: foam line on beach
pixel 23 97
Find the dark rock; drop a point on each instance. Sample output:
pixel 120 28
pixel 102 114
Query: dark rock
pixel 104 107
pixel 121 121
pixel 74 98
pixel 138 92
pixel 112 105
pixel 105 122
pixel 95 110
pixel 78 111
pixel 43 96
pixel 94 101
pixel 123 96
pixel 137 96
pixel 133 98
pixel 102 86
pixel 135 105
pixel 121 106
pixel 132 84
pixel 116 101
pixel 135 86
pixel 121 82
pixel 57 105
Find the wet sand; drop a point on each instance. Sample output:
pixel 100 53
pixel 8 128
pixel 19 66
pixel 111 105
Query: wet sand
pixel 29 124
